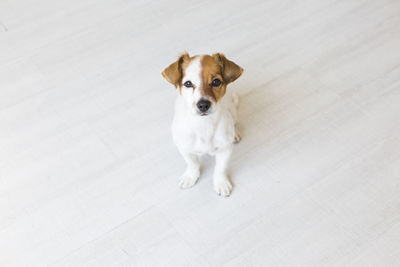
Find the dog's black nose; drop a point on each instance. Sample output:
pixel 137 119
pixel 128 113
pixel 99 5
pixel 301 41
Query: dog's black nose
pixel 203 105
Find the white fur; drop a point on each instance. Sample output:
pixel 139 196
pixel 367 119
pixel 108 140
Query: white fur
pixel 195 135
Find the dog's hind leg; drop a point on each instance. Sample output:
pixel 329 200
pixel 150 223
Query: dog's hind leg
pixel 235 100
pixel 237 135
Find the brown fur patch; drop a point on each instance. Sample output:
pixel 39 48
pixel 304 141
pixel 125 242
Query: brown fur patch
pixel 210 71
pixel 175 72
pixel 218 66
pixel 230 70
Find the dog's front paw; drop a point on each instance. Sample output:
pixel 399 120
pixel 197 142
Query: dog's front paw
pixel 222 186
pixel 187 181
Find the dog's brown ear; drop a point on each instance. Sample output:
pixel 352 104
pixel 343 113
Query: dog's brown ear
pixel 173 73
pixel 230 70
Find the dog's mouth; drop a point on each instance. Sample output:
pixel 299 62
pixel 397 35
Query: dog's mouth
pixel 205 113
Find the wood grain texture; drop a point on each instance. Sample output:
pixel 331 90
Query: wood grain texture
pixel 89 171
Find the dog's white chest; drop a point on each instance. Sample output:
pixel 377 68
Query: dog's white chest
pixel 199 143
pixel 197 136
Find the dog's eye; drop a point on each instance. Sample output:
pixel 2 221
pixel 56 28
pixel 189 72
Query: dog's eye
pixel 188 84
pixel 216 82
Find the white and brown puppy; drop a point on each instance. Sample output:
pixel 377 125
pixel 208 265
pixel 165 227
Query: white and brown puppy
pixel 205 114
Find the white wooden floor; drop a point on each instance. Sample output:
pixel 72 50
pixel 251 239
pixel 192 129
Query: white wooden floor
pixel 89 172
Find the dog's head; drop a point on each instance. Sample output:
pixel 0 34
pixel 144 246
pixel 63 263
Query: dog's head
pixel 202 80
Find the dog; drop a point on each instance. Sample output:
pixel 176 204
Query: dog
pixel 205 114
